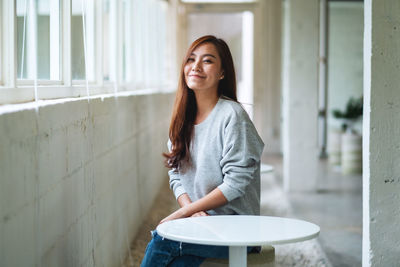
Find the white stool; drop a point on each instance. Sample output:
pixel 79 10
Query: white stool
pixel 266 258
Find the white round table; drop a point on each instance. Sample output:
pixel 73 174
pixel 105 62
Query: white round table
pixel 238 232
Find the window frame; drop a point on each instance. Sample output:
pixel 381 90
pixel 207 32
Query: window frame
pixel 127 40
pixel 55 34
pixel 55 37
pixel 113 49
pixel 13 90
pixel 89 58
pixel 9 39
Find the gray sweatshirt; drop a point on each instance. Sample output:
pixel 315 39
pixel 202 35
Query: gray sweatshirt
pixel 225 153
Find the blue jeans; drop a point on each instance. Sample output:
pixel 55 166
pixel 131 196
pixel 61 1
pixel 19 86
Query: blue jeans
pixel 164 252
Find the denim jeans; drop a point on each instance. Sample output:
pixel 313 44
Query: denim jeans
pixel 164 252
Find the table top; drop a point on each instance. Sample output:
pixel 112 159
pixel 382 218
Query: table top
pixel 238 230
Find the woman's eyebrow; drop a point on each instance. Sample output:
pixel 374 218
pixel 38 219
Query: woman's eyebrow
pixel 209 55
pixel 205 55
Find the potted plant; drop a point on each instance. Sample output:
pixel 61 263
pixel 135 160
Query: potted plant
pixel 351 141
pixel 353 111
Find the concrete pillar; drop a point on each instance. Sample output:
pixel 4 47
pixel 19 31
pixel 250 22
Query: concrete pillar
pixel 381 134
pixel 300 94
pixel 267 77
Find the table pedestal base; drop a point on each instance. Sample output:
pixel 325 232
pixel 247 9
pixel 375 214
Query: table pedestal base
pixel 237 256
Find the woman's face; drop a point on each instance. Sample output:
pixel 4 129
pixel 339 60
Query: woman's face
pixel 203 68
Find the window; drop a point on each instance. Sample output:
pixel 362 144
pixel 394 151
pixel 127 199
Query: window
pixel 107 41
pixel 127 57
pixel 38 39
pixel 51 47
pixel 138 41
pixel 83 39
pixel 149 42
pixel 161 33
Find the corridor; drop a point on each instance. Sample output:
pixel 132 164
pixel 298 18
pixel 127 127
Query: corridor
pixel 88 89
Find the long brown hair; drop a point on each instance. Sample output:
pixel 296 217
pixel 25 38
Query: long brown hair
pixel 185 107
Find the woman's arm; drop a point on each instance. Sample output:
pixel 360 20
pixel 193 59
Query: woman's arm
pixel 212 200
pixel 184 200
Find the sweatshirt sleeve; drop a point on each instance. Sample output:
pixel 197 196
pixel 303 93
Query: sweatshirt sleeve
pixel 242 148
pixel 174 178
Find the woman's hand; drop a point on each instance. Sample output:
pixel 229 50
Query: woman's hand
pixel 210 201
pixel 180 213
pixel 200 214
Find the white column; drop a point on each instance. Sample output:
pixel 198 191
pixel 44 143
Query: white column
pixel 267 73
pixel 300 95
pixel 381 134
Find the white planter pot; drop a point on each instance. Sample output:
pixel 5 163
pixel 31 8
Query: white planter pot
pixel 351 153
pixel 335 147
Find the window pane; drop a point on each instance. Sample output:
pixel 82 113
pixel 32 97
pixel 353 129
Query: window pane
pixel 22 7
pixel 126 41
pixel 125 16
pixel 106 40
pixel 38 20
pixel 148 43
pixel 161 34
pixel 78 41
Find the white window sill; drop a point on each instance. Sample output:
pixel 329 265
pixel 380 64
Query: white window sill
pixel 23 97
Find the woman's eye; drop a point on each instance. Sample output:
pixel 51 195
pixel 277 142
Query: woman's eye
pixel 190 60
pixel 207 61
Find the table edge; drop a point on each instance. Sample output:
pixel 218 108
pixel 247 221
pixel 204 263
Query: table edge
pixel 234 244
pixel 241 243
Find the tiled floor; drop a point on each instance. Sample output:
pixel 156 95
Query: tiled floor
pixel 336 207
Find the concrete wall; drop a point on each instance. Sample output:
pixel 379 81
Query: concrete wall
pixel 300 94
pixel 345 57
pixel 381 144
pixel 76 179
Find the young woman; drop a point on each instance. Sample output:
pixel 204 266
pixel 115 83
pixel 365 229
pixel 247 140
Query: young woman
pixel 214 152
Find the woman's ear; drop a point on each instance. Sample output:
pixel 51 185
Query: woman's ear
pixel 222 75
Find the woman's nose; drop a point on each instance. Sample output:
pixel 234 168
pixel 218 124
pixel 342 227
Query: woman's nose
pixel 196 66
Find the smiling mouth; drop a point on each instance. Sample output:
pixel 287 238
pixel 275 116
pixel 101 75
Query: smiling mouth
pixel 196 76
